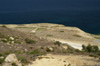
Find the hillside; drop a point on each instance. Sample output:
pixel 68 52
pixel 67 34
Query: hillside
pixel 56 32
pixel 32 41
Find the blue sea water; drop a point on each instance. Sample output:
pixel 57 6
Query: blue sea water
pixel 87 20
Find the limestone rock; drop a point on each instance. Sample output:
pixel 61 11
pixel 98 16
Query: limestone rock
pixel 50 48
pixel 11 59
pixel 11 38
pixel 65 47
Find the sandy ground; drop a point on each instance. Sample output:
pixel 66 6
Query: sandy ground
pixel 68 60
pixel 77 45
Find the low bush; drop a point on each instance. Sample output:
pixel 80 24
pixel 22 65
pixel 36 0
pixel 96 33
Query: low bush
pixel 61 31
pixel 1 61
pixel 49 35
pixel 57 43
pixel 23 59
pixel 1 54
pixel 90 48
pixel 6 53
pixel 48 50
pixel 30 41
pixel 36 51
pixel 14 64
pixel 98 53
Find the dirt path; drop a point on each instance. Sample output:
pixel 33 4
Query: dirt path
pixel 68 60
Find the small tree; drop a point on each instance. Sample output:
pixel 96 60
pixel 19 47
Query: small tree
pixel 95 48
pixel 89 48
pixel 83 47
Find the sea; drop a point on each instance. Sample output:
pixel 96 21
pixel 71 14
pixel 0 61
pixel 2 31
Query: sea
pixel 86 19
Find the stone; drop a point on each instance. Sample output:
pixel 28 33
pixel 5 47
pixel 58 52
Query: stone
pixel 11 58
pixel 64 46
pixel 1 57
pixel 50 48
pixel 11 38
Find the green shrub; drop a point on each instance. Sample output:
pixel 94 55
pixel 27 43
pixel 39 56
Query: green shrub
pixel 98 53
pixel 1 60
pixel 36 51
pixel 77 35
pixel 48 50
pixel 91 55
pixel 64 51
pixel 1 54
pixel 90 48
pixel 40 29
pixel 2 35
pixel 3 26
pixel 31 47
pixel 61 31
pixel 95 48
pixel 83 47
pixel 14 64
pixel 23 59
pixel 18 51
pixel 30 41
pixel 57 43
pixel 7 53
pixel 49 35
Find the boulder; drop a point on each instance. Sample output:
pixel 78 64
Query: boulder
pixel 11 58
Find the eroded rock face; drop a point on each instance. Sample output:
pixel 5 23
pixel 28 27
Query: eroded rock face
pixel 11 59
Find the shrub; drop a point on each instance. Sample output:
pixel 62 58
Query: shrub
pixel 61 31
pixel 3 26
pixel 7 53
pixel 18 51
pixel 48 50
pixel 14 64
pixel 1 60
pixel 64 51
pixel 57 43
pixel 95 48
pixel 1 54
pixel 90 48
pixel 1 35
pixel 77 35
pixel 23 59
pixel 98 53
pixel 91 55
pixel 49 35
pixel 34 52
pixel 30 41
pixel 83 47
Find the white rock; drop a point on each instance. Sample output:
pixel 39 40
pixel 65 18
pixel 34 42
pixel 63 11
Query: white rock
pixel 11 58
pixel 33 31
pixel 11 38
pixel 1 57
pixel 50 48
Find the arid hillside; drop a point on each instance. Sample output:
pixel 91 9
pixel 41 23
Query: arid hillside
pixel 43 43
pixel 55 32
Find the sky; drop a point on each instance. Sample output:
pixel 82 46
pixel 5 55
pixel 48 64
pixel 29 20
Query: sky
pixel 29 5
